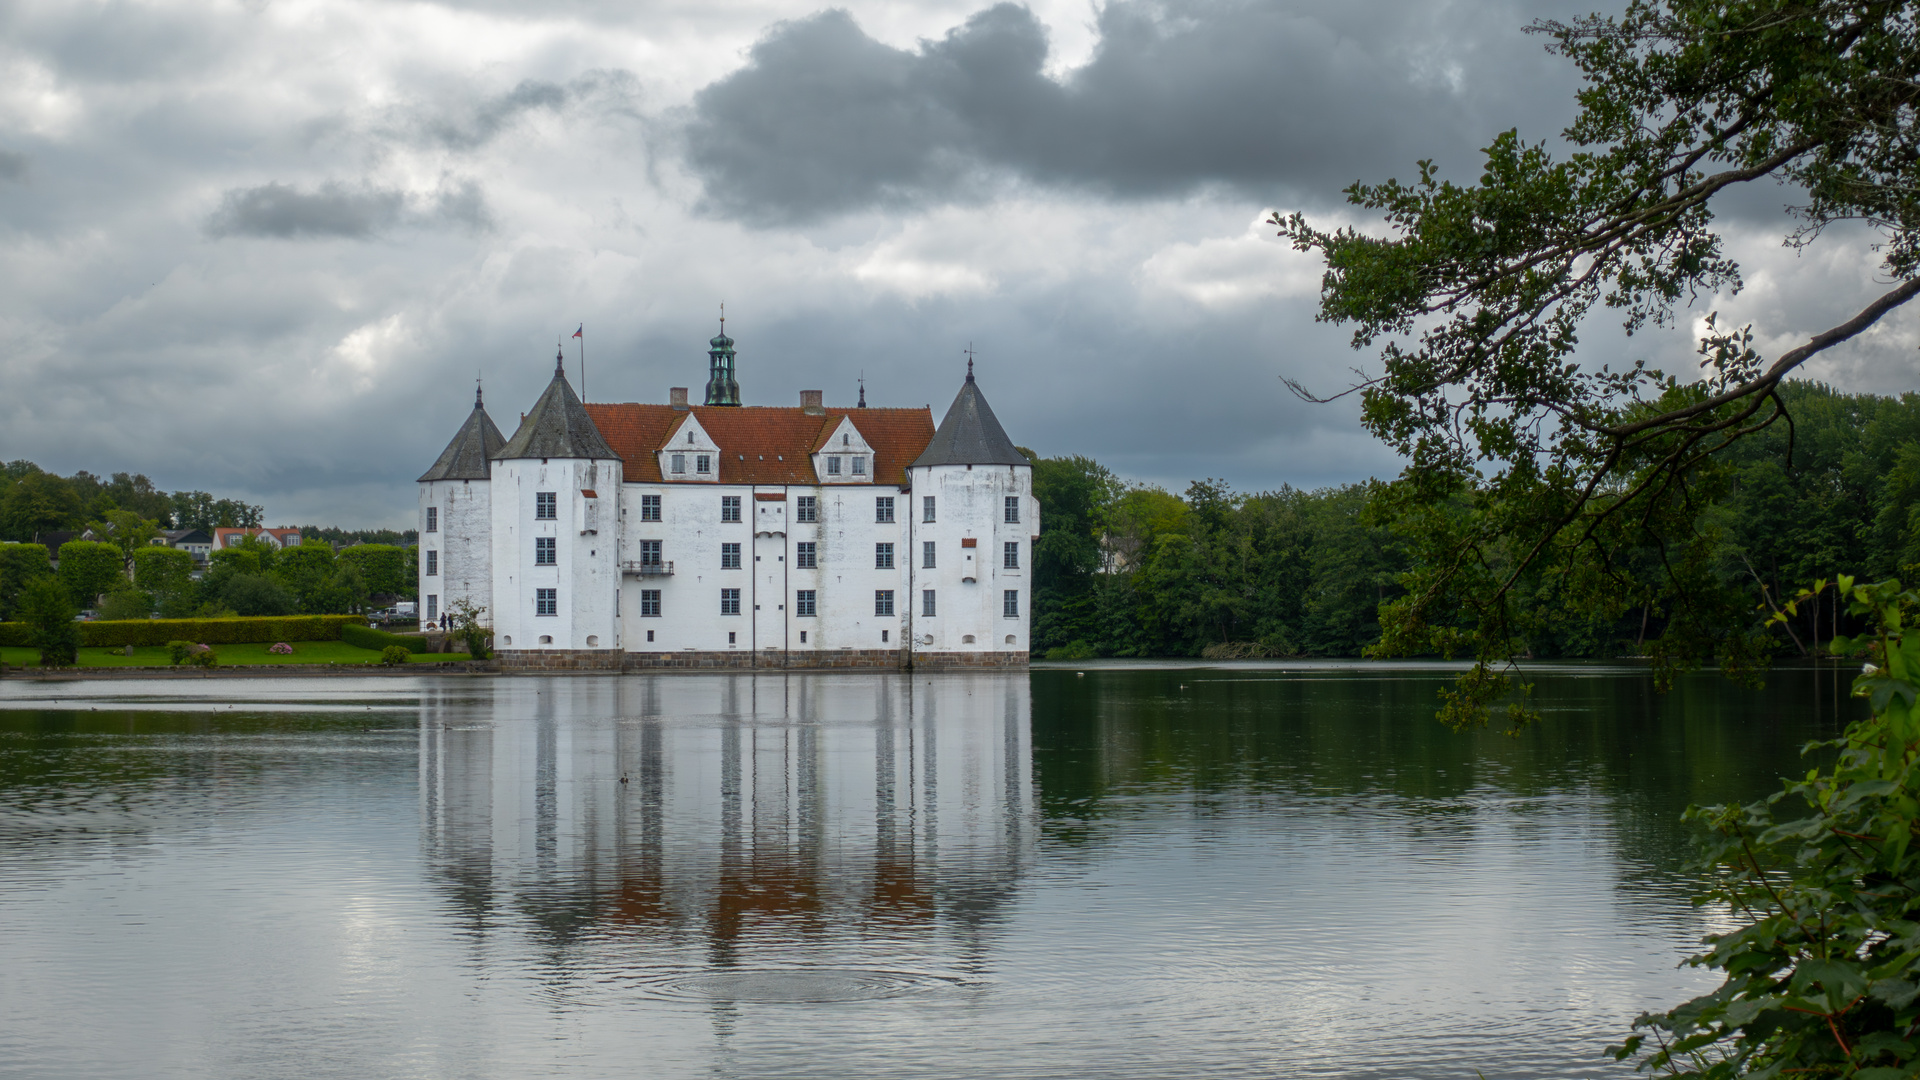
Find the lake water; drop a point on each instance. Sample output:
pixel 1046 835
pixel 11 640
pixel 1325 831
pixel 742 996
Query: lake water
pixel 1093 871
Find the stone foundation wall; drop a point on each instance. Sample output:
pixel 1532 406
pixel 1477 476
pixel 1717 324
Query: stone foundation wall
pixel 538 660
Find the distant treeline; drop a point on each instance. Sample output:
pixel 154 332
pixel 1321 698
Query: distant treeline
pixel 1129 570
pixel 34 501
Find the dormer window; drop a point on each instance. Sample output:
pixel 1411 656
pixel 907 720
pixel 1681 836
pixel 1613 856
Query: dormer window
pixel 703 463
pixel 859 466
pixel 679 464
pixel 833 465
pixel 846 439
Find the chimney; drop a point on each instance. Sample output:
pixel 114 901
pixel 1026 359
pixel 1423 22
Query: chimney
pixel 679 397
pixel 810 403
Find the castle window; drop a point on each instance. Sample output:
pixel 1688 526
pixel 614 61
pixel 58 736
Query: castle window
pixel 433 563
pixel 883 556
pixel 1010 555
pixel 883 637
pixel 806 555
pixel 803 637
pixel 926 554
pixel 730 557
pixel 649 553
pixel 729 508
pixel 803 603
pixel 926 603
pixel 883 604
pixel 729 605
pixel 833 465
pixel 846 439
pixel 433 606
pixel 1013 509
pixel 703 463
pixel 859 466
pixel 808 509
pixel 926 508
pixel 544 551
pixel 433 519
pixel 546 601
pixel 678 464
pixel 883 508
pixel 649 606
pixel 546 507
pixel 649 508
pixel 1010 603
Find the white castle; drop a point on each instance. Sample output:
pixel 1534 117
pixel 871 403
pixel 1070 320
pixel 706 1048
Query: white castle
pixel 719 535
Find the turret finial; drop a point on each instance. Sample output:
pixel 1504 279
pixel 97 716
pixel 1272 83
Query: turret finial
pixel 969 351
pixel 559 358
pixel 863 389
pixel 476 389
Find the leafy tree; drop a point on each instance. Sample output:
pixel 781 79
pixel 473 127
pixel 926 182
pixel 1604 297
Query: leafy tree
pixel 126 602
pixel 48 611
pixel 39 502
pixel 1525 465
pixel 256 594
pixel 385 569
pixel 127 531
pixel 167 575
pixel 20 564
pixel 89 568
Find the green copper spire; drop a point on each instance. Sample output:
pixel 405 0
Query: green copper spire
pixel 722 387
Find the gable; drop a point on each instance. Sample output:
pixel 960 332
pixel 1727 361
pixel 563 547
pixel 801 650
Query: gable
pixel 762 444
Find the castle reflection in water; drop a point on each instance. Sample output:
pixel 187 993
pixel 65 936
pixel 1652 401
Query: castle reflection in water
pixel 757 810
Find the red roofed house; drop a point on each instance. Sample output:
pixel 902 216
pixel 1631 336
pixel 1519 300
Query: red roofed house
pixel 616 536
pixel 280 538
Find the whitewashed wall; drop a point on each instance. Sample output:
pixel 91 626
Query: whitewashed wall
pixel 970 503
pixel 463 542
pixel 586 571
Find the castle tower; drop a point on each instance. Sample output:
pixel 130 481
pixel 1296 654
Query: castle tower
pixel 456 551
pixel 556 513
pixel 972 500
pixel 722 387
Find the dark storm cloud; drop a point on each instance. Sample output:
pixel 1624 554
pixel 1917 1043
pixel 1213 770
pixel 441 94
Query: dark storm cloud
pixel 12 166
pixel 1263 97
pixel 343 211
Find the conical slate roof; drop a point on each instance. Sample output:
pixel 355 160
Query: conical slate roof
pixel 558 427
pixel 971 434
pixel 467 456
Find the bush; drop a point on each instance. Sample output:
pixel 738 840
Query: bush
pixel 202 656
pixel 281 648
pixel 384 568
pixel 219 631
pixel 48 614
pixel 179 651
pixel 394 655
pixel 20 564
pixel 256 595
pixel 366 637
pixel 89 569
pixel 126 603
pixel 1078 650
pixel 163 571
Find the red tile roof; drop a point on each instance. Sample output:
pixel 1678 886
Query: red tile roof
pixel 762 444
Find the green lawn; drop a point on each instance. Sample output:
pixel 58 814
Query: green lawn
pixel 304 652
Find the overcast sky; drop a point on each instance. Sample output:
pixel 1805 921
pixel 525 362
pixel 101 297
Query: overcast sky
pixel 262 248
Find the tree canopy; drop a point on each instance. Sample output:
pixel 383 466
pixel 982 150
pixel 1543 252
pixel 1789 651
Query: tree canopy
pixel 1524 461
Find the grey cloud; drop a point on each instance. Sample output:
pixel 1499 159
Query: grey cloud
pixel 355 212
pixel 1178 95
pixel 13 166
pixel 488 118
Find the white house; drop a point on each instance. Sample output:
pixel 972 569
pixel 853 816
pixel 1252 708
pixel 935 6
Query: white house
pixel 637 535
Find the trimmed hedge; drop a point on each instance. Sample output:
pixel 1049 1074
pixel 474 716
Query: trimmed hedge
pixel 103 634
pixel 366 637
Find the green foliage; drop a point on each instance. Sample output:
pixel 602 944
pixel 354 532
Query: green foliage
pixel 1538 482
pixel 203 656
pixel 178 652
pixel 223 631
pixel 253 595
pixel 366 637
pixel 20 564
pixel 394 655
pixel 126 603
pixel 1078 650
pixel 167 573
pixel 37 502
pixel 1823 972
pixel 48 614
pixel 89 568
pixel 127 531
pixel 385 570
pixel 309 576
pixel 469 626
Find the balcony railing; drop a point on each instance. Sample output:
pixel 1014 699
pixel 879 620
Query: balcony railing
pixel 647 569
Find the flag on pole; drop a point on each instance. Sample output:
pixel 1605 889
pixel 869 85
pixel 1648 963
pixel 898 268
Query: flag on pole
pixel 578 333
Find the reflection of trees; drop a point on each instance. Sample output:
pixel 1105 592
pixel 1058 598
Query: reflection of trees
pixel 756 809
pixel 1246 734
